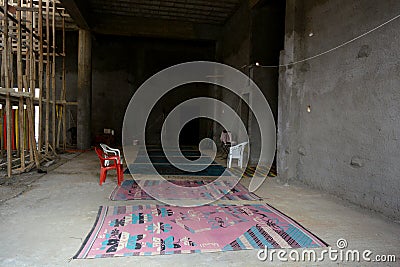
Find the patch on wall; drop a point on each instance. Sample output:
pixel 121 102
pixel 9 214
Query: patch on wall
pixel 365 51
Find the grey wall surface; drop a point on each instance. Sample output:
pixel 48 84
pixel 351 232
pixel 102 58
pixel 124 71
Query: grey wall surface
pixel 348 145
pixel 253 35
pixel 122 64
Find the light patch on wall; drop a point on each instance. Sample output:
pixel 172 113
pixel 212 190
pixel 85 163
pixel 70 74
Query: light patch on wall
pixel 311 34
pixel 308 108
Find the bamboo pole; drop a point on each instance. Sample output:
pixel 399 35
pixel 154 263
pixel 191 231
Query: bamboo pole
pixel 47 77
pixel 30 151
pixel 20 87
pixel 40 32
pixel 33 68
pixel 32 131
pixel 8 118
pixel 7 85
pixel 53 84
pixel 64 86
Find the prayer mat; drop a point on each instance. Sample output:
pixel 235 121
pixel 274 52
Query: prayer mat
pixel 169 169
pixel 131 190
pixel 161 229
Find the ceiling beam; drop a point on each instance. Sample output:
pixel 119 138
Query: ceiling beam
pixel 160 28
pixel 77 9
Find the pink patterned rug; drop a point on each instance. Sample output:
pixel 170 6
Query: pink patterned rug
pixel 162 229
pixel 130 190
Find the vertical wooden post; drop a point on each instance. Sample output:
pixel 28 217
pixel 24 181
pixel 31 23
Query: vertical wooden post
pixel 47 141
pixel 53 78
pixel 32 75
pixel 31 123
pixel 31 156
pixel 21 125
pixel 7 85
pixel 40 33
pixel 8 119
pixel 64 85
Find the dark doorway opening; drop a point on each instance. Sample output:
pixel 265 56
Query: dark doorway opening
pixel 190 133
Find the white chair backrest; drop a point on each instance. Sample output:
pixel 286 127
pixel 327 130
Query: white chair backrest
pixel 108 149
pixel 114 151
pixel 236 152
pixel 238 149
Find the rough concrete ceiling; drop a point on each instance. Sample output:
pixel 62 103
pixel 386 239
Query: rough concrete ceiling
pixel 197 11
pixel 181 19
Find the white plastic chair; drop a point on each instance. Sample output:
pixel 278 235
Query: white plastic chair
pixel 113 151
pixel 236 152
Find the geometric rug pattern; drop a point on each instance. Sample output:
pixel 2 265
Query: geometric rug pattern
pixel 161 229
pixel 131 190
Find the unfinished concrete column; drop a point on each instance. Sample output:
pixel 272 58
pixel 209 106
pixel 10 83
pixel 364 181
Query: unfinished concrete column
pixel 84 89
pixel 285 164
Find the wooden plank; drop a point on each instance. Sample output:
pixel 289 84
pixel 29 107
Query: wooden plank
pixel 11 92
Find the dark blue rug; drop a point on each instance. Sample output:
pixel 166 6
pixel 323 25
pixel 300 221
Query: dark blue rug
pixel 167 169
pixel 159 153
pixel 164 160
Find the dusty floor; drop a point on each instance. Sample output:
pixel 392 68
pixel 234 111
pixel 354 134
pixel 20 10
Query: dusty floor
pixel 18 184
pixel 46 224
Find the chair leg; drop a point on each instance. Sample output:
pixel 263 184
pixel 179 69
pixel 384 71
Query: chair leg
pixel 119 174
pixel 122 172
pixel 229 162
pixel 103 174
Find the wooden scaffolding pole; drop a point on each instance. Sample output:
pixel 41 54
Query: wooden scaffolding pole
pixel 47 140
pixel 20 86
pixel 64 86
pixel 32 73
pixel 19 28
pixel 62 107
pixel 7 84
pixel 31 124
pixel 40 33
pixel 53 78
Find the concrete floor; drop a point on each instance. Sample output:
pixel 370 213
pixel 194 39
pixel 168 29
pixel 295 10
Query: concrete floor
pixel 46 224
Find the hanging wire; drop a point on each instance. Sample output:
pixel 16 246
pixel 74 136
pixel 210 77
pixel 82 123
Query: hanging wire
pixel 328 51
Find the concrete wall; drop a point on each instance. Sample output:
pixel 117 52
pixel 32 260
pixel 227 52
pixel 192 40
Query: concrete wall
pixel 253 35
pixel 348 145
pixel 122 64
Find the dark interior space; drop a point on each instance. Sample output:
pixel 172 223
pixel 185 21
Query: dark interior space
pixel 117 75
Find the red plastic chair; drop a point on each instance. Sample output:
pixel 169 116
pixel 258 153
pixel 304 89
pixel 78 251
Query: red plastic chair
pixel 108 163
